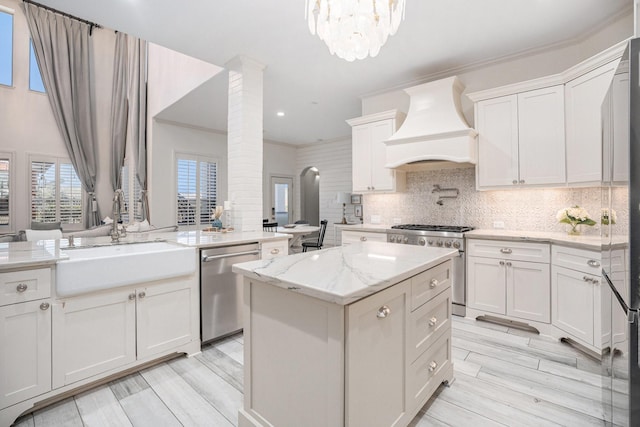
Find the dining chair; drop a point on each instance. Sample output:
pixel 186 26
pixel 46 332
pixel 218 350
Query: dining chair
pixel 318 243
pixel 270 226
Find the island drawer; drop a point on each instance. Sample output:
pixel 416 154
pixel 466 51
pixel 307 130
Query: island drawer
pixel 274 248
pixel 430 283
pixel 577 259
pixel 521 251
pixel 425 373
pixel 24 285
pixel 428 323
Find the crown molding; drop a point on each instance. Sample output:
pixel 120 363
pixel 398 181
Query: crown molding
pixel 375 117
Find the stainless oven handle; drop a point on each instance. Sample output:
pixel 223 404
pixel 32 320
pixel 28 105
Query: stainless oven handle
pixel 213 257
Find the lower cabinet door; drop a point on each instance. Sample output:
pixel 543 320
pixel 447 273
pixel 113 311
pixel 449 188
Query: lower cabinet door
pixel 528 291
pixel 376 358
pixel 25 351
pixel 93 334
pixel 486 286
pixel 167 316
pixel 573 303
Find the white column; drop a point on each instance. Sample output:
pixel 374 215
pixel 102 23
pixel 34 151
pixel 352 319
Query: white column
pixel 244 142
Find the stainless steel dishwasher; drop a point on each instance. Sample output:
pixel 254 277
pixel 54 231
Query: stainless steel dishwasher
pixel 221 289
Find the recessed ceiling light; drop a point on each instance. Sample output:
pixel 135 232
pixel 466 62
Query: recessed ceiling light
pixel 280 114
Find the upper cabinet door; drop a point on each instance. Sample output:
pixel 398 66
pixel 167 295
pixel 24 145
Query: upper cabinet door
pixel 541 136
pixel 382 179
pixel 497 123
pixel 361 158
pixel 583 102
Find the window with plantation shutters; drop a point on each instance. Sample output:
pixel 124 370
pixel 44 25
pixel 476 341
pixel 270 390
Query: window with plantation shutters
pixel 5 192
pixel 56 193
pixel 196 184
pixel 132 197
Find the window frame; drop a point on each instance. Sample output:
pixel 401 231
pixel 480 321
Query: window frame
pixel 9 11
pixel 58 161
pixel 199 159
pixel 10 228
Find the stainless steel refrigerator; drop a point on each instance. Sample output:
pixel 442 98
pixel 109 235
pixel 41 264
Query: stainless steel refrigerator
pixel 620 234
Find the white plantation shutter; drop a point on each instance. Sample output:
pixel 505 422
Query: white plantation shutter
pixel 4 192
pixel 131 190
pixel 196 189
pixel 56 192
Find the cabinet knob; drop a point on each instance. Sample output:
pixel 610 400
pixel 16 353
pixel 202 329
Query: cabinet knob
pixel 383 312
pixel 593 263
pixel 522 181
pixel 132 297
pixel 21 287
pixel 363 238
pixel 501 262
pixel 433 365
pixel 275 251
pixel 506 250
pixel 141 294
pixel 433 321
pixel 368 188
pixel 44 306
pixel 515 181
pixel 373 188
pixel 508 264
pixel 433 283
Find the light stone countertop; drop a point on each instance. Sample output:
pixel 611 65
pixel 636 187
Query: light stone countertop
pixel 25 254
pixel 580 242
pixel 345 274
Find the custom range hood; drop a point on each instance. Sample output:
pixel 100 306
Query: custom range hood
pixel 434 131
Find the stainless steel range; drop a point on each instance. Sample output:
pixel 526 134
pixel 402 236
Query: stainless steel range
pixel 439 236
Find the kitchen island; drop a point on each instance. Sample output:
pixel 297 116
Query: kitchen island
pixel 358 335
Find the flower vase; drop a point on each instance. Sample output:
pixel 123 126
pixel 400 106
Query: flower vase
pixel 216 223
pixel 574 230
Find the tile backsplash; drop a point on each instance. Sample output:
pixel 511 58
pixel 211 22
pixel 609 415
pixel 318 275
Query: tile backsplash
pixel 531 209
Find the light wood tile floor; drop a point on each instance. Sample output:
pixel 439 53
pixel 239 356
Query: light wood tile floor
pixel 503 377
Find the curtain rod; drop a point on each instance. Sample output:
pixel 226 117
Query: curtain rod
pixel 92 25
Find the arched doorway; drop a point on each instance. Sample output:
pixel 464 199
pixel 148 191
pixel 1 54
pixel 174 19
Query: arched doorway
pixel 310 195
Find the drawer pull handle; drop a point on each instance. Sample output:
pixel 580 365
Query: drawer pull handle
pixel 132 297
pixel 432 366
pixel 275 251
pixel 433 283
pixel 44 306
pixel 433 321
pixel 383 312
pixel 593 263
pixel 21 287
pixel 363 238
pixel 141 294
pixel 506 250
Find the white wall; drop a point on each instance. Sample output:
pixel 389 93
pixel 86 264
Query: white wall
pixel 27 125
pixel 278 160
pixel 333 160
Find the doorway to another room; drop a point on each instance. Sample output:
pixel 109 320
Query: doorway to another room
pixel 282 199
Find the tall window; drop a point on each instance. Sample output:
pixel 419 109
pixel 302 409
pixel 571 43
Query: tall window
pixel 196 189
pixel 5 212
pixel 56 193
pixel 132 196
pixel 35 78
pixel 6 47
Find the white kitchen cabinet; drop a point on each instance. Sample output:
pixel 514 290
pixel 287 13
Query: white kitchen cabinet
pixel 104 331
pixel 584 96
pixel 502 278
pixel 25 340
pixel 369 153
pixel 615 132
pixel 521 139
pixel 274 248
pixel 352 236
pixel 376 357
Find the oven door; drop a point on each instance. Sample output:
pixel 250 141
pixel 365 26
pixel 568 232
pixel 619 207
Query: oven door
pixel 459 288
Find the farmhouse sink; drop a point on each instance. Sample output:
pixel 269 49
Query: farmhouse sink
pixel 104 267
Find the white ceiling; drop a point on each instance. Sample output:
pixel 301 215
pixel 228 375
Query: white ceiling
pixel 317 91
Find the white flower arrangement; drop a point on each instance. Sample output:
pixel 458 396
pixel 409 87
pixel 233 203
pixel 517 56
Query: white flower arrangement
pixel 574 216
pixel 607 217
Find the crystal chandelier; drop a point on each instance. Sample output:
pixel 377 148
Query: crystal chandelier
pixel 354 29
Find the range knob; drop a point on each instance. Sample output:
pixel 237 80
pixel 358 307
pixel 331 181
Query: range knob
pixel 439 243
pixel 447 244
pixel 392 238
pixel 456 245
pixel 430 242
pixel 421 241
pixel 405 239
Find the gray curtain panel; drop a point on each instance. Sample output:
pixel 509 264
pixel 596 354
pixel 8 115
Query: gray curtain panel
pixel 119 110
pixel 62 47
